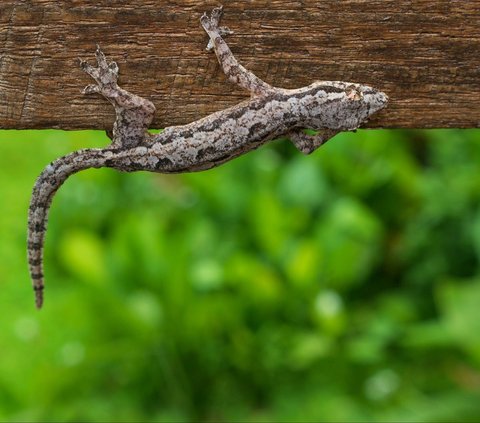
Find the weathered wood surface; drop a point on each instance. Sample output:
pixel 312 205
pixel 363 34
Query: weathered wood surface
pixel 425 54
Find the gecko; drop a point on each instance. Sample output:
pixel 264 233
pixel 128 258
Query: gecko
pixel 328 107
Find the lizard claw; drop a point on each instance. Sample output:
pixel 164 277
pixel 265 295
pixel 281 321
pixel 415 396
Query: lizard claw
pixel 113 67
pixel 91 89
pixel 216 15
pixel 101 59
pixel 105 74
pixel 88 69
pixel 210 23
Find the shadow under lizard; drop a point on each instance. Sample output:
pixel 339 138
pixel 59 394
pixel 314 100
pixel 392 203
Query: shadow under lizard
pixel 326 106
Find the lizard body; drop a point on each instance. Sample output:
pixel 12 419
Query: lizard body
pixel 327 106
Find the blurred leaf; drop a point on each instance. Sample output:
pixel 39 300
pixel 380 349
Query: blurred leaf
pixel 303 263
pixel 350 237
pixel 329 311
pixel 308 348
pixel 83 255
pixel 459 301
pixel 303 184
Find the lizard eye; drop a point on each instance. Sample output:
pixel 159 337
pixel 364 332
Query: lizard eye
pixel 353 94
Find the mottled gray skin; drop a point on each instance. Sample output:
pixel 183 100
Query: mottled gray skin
pixel 329 107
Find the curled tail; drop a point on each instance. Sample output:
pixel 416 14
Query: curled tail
pixel 47 184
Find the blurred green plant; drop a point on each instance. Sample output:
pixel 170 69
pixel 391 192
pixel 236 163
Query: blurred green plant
pixel 343 286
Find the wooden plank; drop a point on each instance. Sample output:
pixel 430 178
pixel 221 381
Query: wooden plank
pixel 423 53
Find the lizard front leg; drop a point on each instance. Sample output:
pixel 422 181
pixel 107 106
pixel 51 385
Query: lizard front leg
pixel 234 70
pixel 306 143
pixel 134 114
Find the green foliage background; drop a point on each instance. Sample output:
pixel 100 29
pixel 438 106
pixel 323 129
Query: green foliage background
pixel 343 286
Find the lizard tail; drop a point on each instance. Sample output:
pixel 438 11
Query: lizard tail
pixel 46 185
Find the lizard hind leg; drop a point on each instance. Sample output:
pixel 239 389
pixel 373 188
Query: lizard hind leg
pixel 235 72
pixel 134 113
pixel 306 143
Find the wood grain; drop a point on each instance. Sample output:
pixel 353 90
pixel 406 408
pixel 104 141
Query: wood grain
pixel 425 54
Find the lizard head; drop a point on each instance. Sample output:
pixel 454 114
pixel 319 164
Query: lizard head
pixel 359 102
pixel 370 98
pixel 344 105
